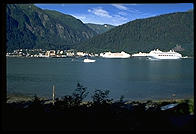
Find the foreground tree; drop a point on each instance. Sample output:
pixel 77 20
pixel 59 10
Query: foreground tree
pixel 79 94
pixel 101 97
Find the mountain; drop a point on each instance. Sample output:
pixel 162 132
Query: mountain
pixel 99 29
pixel 165 32
pixel 31 27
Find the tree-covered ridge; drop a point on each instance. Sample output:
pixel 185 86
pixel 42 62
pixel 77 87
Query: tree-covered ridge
pixel 31 27
pixel 99 29
pixel 163 32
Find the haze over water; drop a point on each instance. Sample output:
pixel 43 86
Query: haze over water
pixel 134 78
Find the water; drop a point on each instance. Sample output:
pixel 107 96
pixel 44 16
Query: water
pixel 134 78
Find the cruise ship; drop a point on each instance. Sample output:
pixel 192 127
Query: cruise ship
pixel 157 54
pixel 140 54
pixel 115 55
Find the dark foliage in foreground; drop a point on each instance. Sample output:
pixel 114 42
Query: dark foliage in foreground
pixel 69 113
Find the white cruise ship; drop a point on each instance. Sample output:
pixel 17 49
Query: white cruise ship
pixel 115 55
pixel 157 54
pixel 140 54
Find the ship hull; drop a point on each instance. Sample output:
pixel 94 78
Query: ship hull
pixel 163 58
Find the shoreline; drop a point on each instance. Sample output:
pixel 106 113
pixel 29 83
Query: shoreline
pixel 184 57
pixel 15 97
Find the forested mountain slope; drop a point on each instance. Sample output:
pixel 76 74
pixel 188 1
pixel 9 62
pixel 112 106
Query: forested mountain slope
pixel 99 29
pixel 164 32
pixel 31 27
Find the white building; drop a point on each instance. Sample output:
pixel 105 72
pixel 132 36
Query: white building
pixel 50 53
pixel 70 53
pixel 81 53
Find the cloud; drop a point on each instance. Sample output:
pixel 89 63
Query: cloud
pixel 100 12
pixel 119 6
pixel 147 15
pixel 99 15
pixel 135 4
pixel 122 7
pixel 89 10
pixel 120 18
pixel 122 13
pixel 133 10
pixel 105 17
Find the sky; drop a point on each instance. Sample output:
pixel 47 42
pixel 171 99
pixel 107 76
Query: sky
pixel 115 14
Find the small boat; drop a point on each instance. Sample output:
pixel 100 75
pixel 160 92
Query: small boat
pixel 88 60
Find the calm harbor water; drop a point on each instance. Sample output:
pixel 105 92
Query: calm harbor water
pixel 134 78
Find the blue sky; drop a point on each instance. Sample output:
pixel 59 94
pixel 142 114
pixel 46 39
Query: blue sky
pixel 115 14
